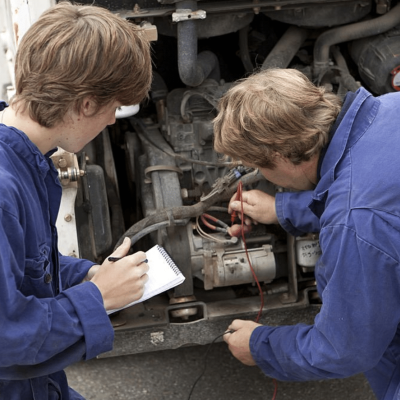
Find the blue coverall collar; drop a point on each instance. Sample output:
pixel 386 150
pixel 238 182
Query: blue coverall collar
pixel 3 105
pixel 27 149
pixel 342 141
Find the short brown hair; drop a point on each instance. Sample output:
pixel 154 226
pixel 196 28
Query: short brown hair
pixel 274 111
pixel 72 52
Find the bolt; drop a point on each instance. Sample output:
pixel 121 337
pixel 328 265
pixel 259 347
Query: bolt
pixel 184 193
pixel 62 162
pixel 68 217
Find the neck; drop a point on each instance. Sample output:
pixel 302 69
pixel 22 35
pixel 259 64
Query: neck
pixel 42 137
pixel 310 171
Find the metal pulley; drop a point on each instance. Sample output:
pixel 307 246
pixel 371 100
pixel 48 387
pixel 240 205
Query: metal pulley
pixel 70 174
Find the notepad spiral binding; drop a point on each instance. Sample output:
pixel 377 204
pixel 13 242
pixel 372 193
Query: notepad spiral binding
pixel 168 259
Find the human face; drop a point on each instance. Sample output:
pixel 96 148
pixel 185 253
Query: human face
pixel 83 127
pixel 291 176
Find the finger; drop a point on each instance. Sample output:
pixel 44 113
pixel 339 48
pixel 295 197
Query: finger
pixel 231 328
pixel 144 268
pixel 249 221
pixel 233 200
pixel 251 198
pixel 236 230
pixel 122 249
pixel 137 259
pixel 240 206
pixel 226 335
pixel 236 324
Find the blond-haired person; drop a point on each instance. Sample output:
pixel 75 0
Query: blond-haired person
pixel 74 67
pixel 341 162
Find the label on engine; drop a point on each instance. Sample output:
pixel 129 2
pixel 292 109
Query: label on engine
pixel 396 78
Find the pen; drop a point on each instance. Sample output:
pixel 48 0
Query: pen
pixel 119 258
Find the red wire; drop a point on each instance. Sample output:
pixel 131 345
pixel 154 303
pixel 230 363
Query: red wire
pixel 239 197
pixel 205 222
pixel 275 389
pixel 239 191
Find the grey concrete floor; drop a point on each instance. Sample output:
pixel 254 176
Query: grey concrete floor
pixel 170 375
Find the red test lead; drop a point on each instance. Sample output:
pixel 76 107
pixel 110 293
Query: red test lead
pixel 238 197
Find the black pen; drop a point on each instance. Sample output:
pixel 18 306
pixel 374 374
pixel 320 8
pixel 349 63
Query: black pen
pixel 119 258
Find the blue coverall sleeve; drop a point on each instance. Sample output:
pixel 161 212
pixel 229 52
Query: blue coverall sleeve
pixel 72 326
pixel 293 213
pixel 359 316
pixel 73 270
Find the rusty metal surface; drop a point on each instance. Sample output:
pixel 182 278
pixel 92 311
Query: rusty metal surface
pixel 237 6
pixel 147 328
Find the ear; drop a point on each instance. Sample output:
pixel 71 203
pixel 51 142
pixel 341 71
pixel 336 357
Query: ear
pixel 88 107
pixel 278 157
pixel 283 161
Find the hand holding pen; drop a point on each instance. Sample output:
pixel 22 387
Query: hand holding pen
pixel 123 283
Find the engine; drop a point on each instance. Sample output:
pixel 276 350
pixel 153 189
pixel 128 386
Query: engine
pixel 155 177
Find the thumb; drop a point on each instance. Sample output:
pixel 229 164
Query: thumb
pixel 236 324
pixel 239 206
pixel 236 206
pixel 123 249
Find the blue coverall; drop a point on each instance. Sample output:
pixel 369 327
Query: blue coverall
pixel 48 318
pixel 355 207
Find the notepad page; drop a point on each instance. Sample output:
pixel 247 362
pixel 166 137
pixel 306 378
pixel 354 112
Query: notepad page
pixel 163 275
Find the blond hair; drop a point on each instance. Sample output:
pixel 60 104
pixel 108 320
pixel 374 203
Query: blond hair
pixel 274 111
pixel 73 52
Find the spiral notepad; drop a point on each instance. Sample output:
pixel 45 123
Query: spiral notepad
pixel 163 275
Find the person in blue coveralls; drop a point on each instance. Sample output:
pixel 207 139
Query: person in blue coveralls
pixel 74 67
pixel 341 162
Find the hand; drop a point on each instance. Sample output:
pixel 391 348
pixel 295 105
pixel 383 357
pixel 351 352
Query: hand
pixel 258 206
pixel 122 282
pixel 239 341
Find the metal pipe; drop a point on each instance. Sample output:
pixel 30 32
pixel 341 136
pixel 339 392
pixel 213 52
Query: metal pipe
pixel 193 68
pixel 346 78
pixel 351 32
pixel 244 49
pixel 287 47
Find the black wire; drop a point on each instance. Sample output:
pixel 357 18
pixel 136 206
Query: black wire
pixel 205 363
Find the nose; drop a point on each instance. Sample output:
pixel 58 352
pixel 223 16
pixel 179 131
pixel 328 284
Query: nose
pixel 112 119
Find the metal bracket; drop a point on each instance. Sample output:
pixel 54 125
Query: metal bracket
pixel 184 14
pixel 155 168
